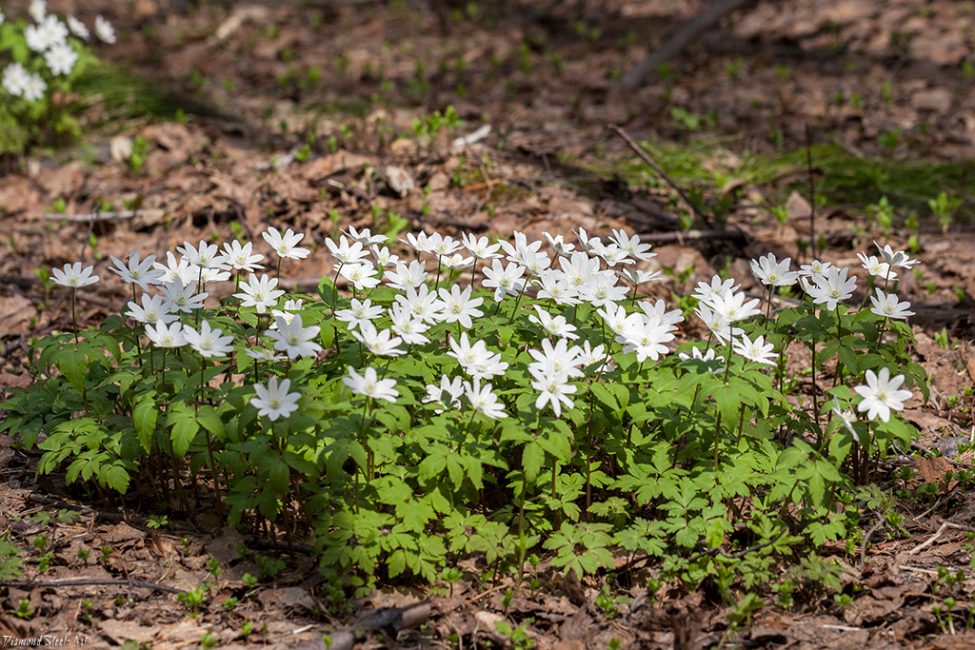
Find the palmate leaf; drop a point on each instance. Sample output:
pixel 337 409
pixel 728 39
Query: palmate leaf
pixel 183 426
pixel 145 413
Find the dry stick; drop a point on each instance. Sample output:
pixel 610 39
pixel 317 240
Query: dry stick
pixel 645 157
pixel 701 22
pixel 90 582
pixel 931 540
pixel 812 248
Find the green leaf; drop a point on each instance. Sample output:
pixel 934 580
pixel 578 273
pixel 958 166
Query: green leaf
pixel 183 427
pixel 209 419
pixel 532 459
pixel 115 477
pixel 145 413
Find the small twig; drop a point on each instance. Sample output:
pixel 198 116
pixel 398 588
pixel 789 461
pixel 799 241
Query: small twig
pixel 866 540
pixel 91 217
pixel 645 157
pixel 931 540
pixel 812 192
pixel 693 235
pixel 90 582
pixel 917 569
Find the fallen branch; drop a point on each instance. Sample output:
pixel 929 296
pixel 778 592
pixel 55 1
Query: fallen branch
pixel 645 157
pixel 90 582
pixel 392 619
pixel 639 73
pixel 931 540
pixel 82 217
pixel 693 235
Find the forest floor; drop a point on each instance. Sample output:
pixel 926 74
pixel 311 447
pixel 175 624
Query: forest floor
pixel 302 115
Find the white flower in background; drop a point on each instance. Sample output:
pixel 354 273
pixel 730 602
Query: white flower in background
pixel 207 340
pixel 757 350
pixel 166 336
pixel 896 258
pixel 293 338
pixel 847 418
pixel 406 276
pixel 291 307
pixel 632 246
pixel 15 78
pixel 888 305
pixel 380 343
pixel 34 88
pixel 365 237
pixel 475 359
pixel 711 360
pixel 274 400
pixel 602 289
pixel 422 303
pixel 360 276
pixel 37 9
pixel 408 326
pixel 154 309
pixel 264 354
pixel 697 355
pixel 46 33
pixel 815 267
pixel 457 262
pixel 645 336
pixel 773 273
pixel 358 313
pixel 717 324
pixel 442 246
pixel 383 256
pixel 612 255
pixel 459 307
pixel 554 286
pixel 717 289
pixel 137 270
pixel 832 287
pixel 104 30
pixel 61 58
pixel 637 277
pixel 877 268
pixel 210 276
pixel 480 247
pixel 370 385
pixel 881 394
pixel 182 297
pixel 733 307
pixel 259 293
pixel 658 310
pixel 206 256
pixel 578 268
pixel 553 390
pixel 558 359
pixel 242 257
pixel 285 245
pixel 345 251
pixel 483 400
pixel 78 28
pixel 447 395
pixel 536 263
pixel 586 242
pixel 553 325
pixel 74 276
pixel 558 244
pixel 614 316
pixel 521 249
pixel 420 242
pixel 589 355
pixel 2 17
pixel 174 270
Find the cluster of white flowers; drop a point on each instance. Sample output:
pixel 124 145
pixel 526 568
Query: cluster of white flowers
pixel 50 39
pixel 600 274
